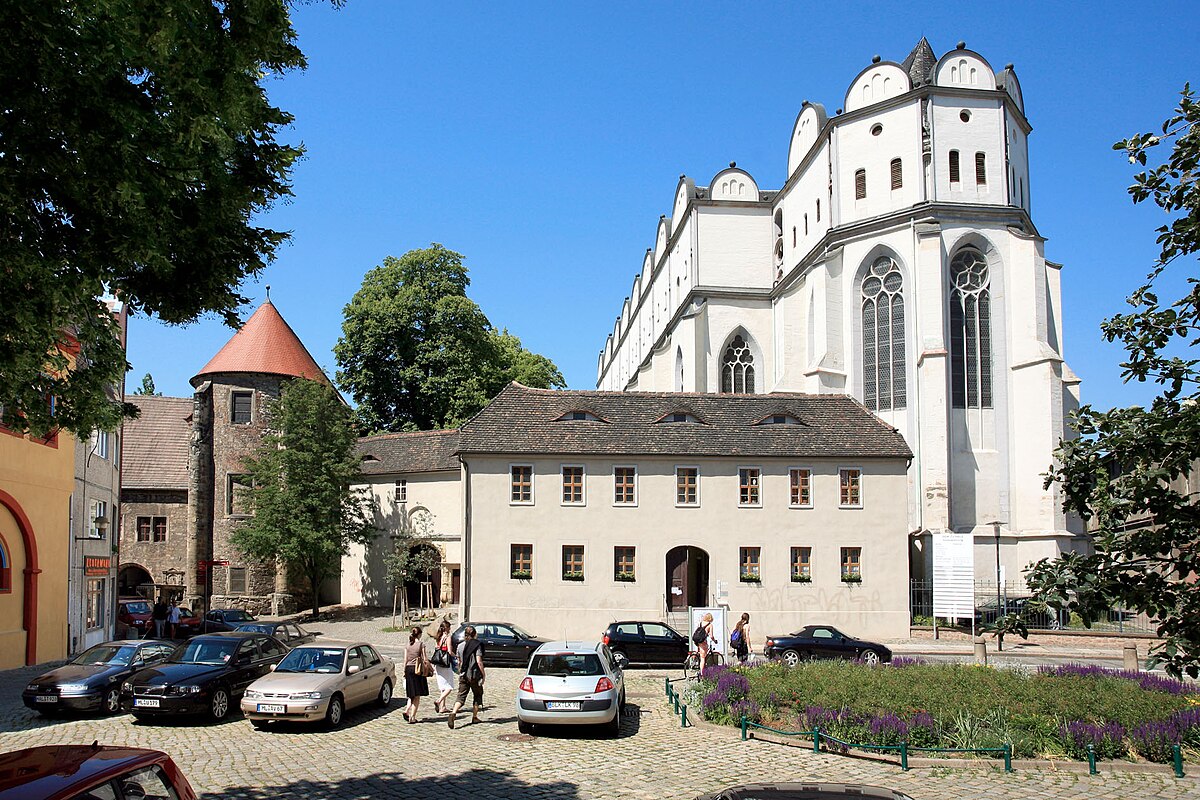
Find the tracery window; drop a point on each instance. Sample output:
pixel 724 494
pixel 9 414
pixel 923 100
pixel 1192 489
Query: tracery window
pixel 737 368
pixel 884 368
pixel 970 331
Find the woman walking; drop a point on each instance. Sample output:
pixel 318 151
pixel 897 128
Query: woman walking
pixel 740 638
pixel 442 667
pixel 416 685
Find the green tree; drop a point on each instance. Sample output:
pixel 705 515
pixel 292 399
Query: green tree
pixel 137 147
pixel 147 387
pixel 305 513
pixel 1130 462
pixel 416 353
pixel 412 557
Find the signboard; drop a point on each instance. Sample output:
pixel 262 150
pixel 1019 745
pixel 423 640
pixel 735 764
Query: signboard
pixel 954 575
pixel 96 565
pixel 719 627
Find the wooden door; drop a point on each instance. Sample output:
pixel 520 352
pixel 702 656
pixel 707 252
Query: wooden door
pixel 677 579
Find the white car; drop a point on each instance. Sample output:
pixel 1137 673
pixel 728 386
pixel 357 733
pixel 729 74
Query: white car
pixel 572 683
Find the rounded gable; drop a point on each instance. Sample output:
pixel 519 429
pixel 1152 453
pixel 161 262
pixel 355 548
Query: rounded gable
pixel 965 68
pixel 733 184
pixel 684 192
pixel 808 126
pixel 876 83
pixel 661 237
pixel 1007 81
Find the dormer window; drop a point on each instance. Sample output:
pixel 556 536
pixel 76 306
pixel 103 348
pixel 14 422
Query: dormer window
pixel 370 459
pixel 585 416
pixel 779 419
pixel 680 416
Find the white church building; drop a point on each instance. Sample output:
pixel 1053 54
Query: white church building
pixel 899 263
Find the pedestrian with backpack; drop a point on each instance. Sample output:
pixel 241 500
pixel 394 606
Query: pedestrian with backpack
pixel 470 676
pixel 703 638
pixel 740 638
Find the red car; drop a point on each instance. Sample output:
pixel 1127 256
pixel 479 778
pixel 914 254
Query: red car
pixel 135 612
pixel 77 771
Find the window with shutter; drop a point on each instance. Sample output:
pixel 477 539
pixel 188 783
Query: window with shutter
pixel 954 166
pixel 981 169
pixel 860 184
pixel 897 174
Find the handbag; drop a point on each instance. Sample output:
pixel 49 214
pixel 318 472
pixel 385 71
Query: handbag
pixel 426 666
pixel 441 657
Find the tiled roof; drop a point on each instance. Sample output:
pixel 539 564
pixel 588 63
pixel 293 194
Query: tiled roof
pixel 421 451
pixel 920 63
pixel 155 451
pixel 264 344
pixel 524 420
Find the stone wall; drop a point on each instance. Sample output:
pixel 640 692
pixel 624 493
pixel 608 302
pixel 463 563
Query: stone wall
pixel 155 557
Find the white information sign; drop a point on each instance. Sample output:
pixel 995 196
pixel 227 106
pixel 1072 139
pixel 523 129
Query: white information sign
pixel 720 628
pixel 954 575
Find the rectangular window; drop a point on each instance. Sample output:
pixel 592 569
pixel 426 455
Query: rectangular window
pixel 852 564
pixel 954 166
pixel 748 558
pixel 237 580
pixel 237 491
pixel 897 174
pixel 240 408
pixel 99 513
pixel 95 603
pixel 522 484
pixel 806 224
pixel 401 491
pixel 800 485
pixel 981 169
pixel 160 529
pixel 572 486
pixel 818 209
pixel 860 184
pixel 572 562
pixel 144 527
pixel 625 486
pixel 521 560
pixel 100 443
pixel 801 564
pixel 624 563
pixel 748 486
pixel 851 487
pixel 687 486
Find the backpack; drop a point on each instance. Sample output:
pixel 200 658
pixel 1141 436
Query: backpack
pixel 735 636
pixel 699 636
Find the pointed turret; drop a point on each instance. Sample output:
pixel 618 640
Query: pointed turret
pixel 264 345
pixel 920 63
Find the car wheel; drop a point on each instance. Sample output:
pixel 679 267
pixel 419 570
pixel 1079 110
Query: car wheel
pixel 613 729
pixel 525 727
pixel 791 658
pixel 621 704
pixel 218 709
pixel 337 708
pixel 870 658
pixel 112 701
pixel 259 724
pixel 385 695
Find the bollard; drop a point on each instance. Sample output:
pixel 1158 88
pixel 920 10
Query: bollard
pixel 816 738
pixel 1008 758
pixel 1177 758
pixel 1092 760
pixel 904 756
pixel 668 681
pixel 683 716
pixel 980 651
pixel 743 727
pixel 1131 657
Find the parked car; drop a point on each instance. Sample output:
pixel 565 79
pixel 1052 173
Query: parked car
pixel 225 619
pixel 823 641
pixel 204 675
pixel 76 772
pixel 647 642
pixel 572 683
pixel 92 680
pixel 805 791
pixel 503 642
pixel 135 613
pixel 189 623
pixel 289 633
pixel 319 681
pixel 1035 615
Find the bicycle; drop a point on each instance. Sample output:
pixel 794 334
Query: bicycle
pixel 691 664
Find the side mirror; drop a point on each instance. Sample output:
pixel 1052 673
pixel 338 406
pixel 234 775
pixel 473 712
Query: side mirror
pixel 353 669
pixel 621 661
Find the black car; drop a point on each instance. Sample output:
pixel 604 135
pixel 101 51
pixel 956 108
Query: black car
pixel 205 675
pixel 504 644
pixel 823 641
pixel 647 642
pixel 225 619
pixel 289 633
pixel 92 680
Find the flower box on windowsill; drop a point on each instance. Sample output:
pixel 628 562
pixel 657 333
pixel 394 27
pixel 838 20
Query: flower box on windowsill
pixel 572 576
pixel 751 579
pixel 521 575
pixel 624 577
pixel 802 579
pixel 851 578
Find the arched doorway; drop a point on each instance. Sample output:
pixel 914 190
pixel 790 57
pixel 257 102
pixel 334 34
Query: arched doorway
pixel 22 570
pixel 134 581
pixel 412 588
pixel 687 578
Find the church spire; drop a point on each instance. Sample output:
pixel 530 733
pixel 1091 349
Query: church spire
pixel 920 63
pixel 266 345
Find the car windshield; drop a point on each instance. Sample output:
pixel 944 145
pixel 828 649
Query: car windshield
pixel 313 659
pixel 255 627
pixel 205 651
pixel 106 654
pixel 521 632
pixel 564 665
pixel 237 615
pixel 137 607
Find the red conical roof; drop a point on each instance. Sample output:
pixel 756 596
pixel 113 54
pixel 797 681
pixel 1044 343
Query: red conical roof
pixel 266 345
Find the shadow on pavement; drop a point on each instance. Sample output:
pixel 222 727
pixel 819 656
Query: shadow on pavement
pixel 472 783
pixel 631 723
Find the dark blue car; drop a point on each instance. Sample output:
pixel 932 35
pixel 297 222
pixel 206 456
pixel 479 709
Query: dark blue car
pixel 824 641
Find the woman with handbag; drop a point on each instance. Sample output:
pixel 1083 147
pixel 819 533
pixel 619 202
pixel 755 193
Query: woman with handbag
pixel 443 666
pixel 417 670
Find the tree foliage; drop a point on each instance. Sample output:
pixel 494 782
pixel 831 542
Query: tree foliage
pixel 305 513
pixel 417 354
pixel 136 146
pixel 412 556
pixel 1132 463
pixel 147 387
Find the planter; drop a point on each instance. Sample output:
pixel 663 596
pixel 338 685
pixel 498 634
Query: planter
pixel 624 577
pixel 521 575
pixel 751 579
pixel 572 576
pixel 852 579
pixel 801 579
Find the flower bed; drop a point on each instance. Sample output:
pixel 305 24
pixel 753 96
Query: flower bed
pixel 1056 712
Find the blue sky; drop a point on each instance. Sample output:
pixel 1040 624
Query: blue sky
pixel 542 141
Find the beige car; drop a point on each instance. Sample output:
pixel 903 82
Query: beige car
pixel 319 681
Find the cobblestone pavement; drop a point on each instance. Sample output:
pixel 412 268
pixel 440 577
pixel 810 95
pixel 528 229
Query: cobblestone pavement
pixel 376 755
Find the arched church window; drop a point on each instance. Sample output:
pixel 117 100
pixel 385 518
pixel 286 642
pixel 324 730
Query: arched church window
pixel 679 369
pixel 884 367
pixel 970 331
pixel 737 368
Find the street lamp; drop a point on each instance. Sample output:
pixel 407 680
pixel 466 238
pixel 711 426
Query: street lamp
pixel 999 630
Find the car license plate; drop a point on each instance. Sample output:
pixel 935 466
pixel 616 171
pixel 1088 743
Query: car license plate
pixel 264 708
pixel 563 705
pixel 46 699
pixel 141 702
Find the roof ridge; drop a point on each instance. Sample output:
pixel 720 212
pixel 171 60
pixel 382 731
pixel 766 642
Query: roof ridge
pixel 399 434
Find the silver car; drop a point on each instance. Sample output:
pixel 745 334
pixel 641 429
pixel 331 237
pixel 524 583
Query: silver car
pixel 319 681
pixel 572 683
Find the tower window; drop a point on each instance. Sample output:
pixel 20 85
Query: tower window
pixel 737 368
pixel 884 366
pixel 860 184
pixel 954 166
pixel 981 169
pixel 897 174
pixel 240 414
pixel 970 331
